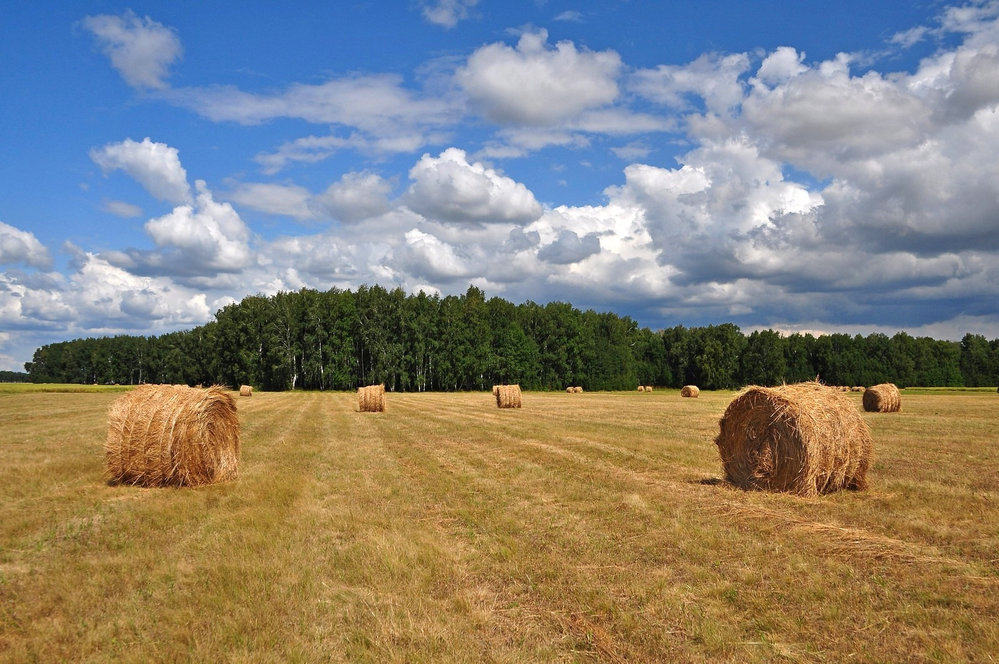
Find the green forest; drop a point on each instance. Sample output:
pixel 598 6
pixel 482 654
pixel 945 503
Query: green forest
pixel 342 339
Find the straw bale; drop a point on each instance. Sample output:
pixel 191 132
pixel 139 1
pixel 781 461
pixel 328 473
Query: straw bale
pixel 164 435
pixel 883 398
pixel 570 390
pixel 508 396
pixel 495 390
pixel 371 399
pixel 648 388
pixel 690 391
pixel 245 391
pixel 578 389
pixel 806 439
pixel 641 388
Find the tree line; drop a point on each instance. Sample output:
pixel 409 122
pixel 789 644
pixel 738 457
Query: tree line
pixel 14 377
pixel 342 339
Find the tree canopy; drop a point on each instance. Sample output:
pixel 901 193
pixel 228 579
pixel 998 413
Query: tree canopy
pixel 341 339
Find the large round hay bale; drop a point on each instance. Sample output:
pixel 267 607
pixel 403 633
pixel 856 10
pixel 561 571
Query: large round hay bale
pixel 883 398
pixel 578 389
pixel 371 399
pixel 641 388
pixel 570 390
pixel 648 388
pixel 166 435
pixel 805 438
pixel 508 396
pixel 690 391
pixel 245 391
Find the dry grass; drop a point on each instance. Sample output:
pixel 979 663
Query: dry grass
pixel 591 528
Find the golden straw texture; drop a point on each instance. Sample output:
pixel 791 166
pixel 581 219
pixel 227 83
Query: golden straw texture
pixel 806 439
pixel 508 396
pixel 883 398
pixel 170 435
pixel 371 399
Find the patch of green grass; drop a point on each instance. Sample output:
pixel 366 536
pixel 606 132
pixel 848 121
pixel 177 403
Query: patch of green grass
pixel 25 388
pixel 587 527
pixel 941 391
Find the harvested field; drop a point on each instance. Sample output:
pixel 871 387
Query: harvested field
pixel 591 528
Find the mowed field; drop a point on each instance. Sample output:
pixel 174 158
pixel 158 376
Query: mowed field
pixel 589 527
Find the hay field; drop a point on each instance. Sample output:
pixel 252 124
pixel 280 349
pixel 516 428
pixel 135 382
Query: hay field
pixel 581 528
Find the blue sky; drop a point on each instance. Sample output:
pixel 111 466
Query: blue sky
pixel 806 166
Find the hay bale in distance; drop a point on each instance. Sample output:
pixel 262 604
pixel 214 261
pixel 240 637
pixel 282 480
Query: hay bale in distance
pixel 690 391
pixel 508 396
pixel 805 438
pixel 371 399
pixel 245 391
pixel 641 388
pixel 495 390
pixel 578 389
pixel 883 398
pixel 164 435
pixel 570 390
pixel 648 388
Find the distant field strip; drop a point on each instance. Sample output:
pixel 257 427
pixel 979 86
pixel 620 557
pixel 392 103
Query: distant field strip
pixel 581 527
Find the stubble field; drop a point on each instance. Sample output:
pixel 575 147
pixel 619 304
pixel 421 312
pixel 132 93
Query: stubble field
pixel 582 527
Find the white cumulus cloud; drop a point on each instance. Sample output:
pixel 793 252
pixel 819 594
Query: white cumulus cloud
pixel 17 246
pixel 534 84
pixel 713 77
pixel 206 237
pixel 156 166
pixel 425 255
pixel 141 49
pixel 355 196
pixel 449 188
